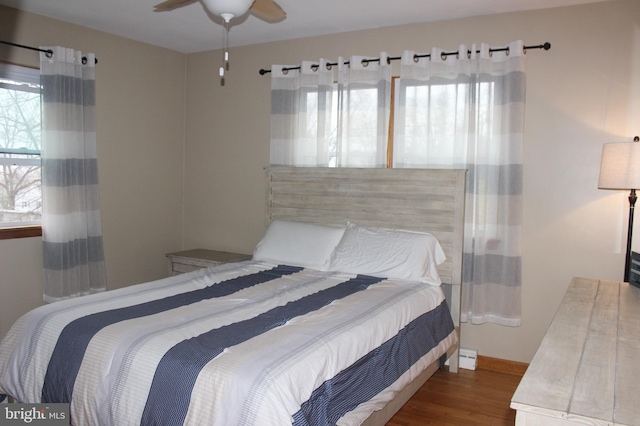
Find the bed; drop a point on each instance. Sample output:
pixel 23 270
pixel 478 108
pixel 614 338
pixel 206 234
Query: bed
pixel 298 335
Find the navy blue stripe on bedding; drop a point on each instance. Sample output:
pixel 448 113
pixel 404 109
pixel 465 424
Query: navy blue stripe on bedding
pixel 178 370
pixel 375 371
pixel 73 340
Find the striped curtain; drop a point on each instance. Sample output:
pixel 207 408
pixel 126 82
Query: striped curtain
pixel 331 115
pixel 71 230
pixel 467 111
pixel 302 102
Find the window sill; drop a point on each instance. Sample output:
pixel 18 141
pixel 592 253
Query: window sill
pixel 20 232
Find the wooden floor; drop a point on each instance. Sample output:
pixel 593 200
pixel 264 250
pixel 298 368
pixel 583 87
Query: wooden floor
pixel 479 397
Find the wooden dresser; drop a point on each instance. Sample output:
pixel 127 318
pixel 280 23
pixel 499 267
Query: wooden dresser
pixel 190 260
pixel 587 368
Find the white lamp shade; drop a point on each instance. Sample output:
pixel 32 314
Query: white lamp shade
pixel 620 166
pixel 228 7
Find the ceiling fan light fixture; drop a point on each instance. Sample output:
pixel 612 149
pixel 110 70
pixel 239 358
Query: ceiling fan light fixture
pixel 228 9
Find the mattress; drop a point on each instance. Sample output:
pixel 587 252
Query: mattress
pixel 250 343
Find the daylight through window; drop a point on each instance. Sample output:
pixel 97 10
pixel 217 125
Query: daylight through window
pixel 20 144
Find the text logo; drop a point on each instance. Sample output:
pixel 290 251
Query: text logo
pixel 35 414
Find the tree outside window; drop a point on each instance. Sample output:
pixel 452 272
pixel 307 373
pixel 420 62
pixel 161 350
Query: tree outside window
pixel 20 142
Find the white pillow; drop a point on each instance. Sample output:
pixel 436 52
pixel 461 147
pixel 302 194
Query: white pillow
pixel 298 244
pixel 388 253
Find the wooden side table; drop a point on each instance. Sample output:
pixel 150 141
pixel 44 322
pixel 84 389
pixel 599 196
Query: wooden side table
pixel 190 260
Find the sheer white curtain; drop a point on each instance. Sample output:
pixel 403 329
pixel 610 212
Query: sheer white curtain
pixel 71 230
pixel 302 126
pixel 364 102
pixel 331 115
pixel 467 111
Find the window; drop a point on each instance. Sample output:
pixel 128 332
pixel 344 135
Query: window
pixel 328 116
pixel 350 116
pixel 436 118
pixel 20 143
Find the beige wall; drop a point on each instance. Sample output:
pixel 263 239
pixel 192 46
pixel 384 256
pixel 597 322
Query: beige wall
pixel 140 122
pixel 582 93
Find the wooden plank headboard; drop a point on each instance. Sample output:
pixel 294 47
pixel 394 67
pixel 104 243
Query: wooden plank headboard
pixel 426 200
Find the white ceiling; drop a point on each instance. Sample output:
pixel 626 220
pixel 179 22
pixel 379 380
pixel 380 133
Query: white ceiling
pixel 191 29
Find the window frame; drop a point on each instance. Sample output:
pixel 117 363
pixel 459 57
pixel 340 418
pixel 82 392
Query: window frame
pixel 24 229
pixel 21 231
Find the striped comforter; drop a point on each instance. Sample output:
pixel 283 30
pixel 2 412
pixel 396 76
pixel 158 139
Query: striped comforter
pixel 249 343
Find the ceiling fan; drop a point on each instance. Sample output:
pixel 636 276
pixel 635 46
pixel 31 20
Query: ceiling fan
pixel 267 10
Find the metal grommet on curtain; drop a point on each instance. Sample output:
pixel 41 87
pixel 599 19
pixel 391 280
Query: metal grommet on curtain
pixel 416 58
pixel 508 51
pixel 314 67
pixel 285 71
pixel 469 54
pixel 49 53
pixel 84 60
pixel 365 63
pixel 443 56
pixel 329 66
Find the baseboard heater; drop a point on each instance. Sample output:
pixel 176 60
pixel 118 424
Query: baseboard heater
pixel 468 359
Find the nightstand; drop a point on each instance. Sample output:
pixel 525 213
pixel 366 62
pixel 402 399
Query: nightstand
pixel 190 260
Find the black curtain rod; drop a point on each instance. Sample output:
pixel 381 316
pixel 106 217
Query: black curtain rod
pixel 48 52
pixel 545 46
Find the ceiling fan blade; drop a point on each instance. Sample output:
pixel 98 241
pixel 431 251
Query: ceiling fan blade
pixel 170 5
pixel 268 10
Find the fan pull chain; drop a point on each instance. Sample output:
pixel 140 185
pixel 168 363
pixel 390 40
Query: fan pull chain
pixel 225 52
